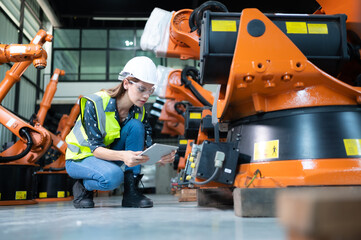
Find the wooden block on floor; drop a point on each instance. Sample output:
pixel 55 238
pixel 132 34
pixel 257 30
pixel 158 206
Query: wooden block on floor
pixel 215 197
pixel 321 213
pixel 99 193
pixel 255 202
pixel 188 195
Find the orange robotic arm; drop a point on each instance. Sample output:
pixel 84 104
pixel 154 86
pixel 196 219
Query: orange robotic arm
pixel 19 52
pixel 33 140
pixel 54 160
pixel 178 90
pixel 49 95
pixel 183 43
pixel 181 40
pixel 181 92
pixel 13 75
pixel 269 73
pixel 57 162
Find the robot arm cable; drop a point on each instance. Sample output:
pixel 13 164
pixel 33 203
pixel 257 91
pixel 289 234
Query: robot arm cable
pixel 22 154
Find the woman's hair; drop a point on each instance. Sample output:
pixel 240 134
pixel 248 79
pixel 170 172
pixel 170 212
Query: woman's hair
pixel 118 90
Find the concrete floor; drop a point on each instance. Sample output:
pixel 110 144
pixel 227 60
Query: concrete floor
pixel 168 219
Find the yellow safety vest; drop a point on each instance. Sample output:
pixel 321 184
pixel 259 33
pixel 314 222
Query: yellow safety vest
pixel 77 139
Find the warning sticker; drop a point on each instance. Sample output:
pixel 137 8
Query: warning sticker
pixel 266 150
pixel 183 142
pixel 61 194
pixel 20 195
pixel 195 115
pixel 315 28
pixel 224 26
pixel 352 146
pixel 296 27
pixel 43 195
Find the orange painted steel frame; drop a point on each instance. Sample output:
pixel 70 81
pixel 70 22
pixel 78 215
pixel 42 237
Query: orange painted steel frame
pixel 39 135
pixel 182 43
pixel 269 73
pixel 306 172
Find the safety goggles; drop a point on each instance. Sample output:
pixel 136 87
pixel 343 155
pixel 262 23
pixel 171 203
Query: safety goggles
pixel 141 89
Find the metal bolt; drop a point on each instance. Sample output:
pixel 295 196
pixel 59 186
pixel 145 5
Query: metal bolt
pixel 248 78
pixel 286 77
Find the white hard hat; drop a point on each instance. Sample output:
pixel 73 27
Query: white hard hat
pixel 142 68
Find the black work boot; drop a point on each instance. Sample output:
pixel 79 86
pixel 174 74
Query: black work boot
pixel 82 197
pixel 131 196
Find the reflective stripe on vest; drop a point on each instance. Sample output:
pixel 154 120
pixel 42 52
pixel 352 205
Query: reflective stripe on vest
pixel 78 146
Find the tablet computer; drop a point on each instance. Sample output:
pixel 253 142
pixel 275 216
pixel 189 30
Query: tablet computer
pixel 156 152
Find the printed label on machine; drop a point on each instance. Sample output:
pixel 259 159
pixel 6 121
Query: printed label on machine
pixel 352 146
pixel 43 195
pixel 306 28
pixel 195 115
pixel 61 194
pixel 224 26
pixel 20 195
pixel 266 150
pixel 317 28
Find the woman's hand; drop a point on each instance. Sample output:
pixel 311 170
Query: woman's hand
pixel 167 158
pixel 132 159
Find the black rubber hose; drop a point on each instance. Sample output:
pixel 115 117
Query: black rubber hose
pixel 29 144
pixel 191 71
pixel 176 105
pixel 192 24
pixel 195 21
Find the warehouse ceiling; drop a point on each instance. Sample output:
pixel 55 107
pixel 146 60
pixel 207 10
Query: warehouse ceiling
pixel 81 13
